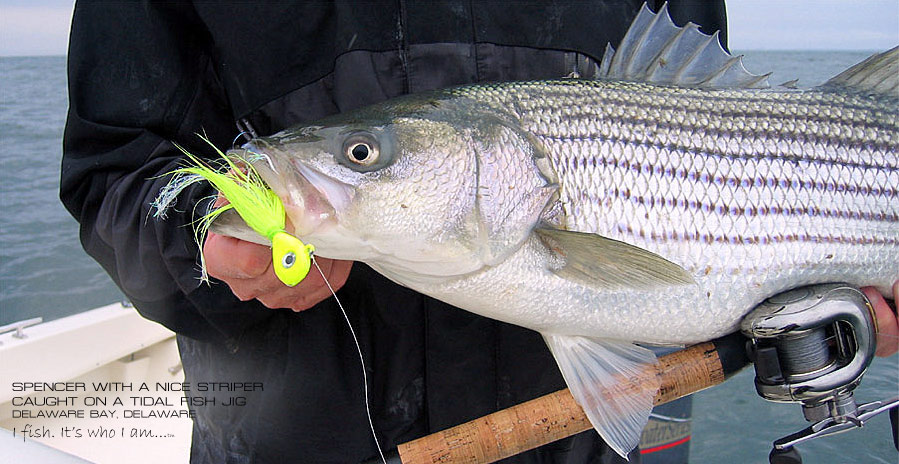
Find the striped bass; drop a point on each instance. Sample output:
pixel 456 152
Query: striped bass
pixel 657 204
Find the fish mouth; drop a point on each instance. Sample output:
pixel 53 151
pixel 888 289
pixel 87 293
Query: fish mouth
pixel 312 200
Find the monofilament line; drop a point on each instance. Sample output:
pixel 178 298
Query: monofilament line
pixel 371 423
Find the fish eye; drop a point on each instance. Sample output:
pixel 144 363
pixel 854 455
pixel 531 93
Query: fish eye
pixel 361 149
pixel 360 152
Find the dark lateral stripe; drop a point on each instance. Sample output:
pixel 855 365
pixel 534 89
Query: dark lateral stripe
pixel 753 211
pixel 844 141
pixel 625 92
pixel 644 167
pixel 748 109
pixel 598 139
pixel 800 237
pixel 768 138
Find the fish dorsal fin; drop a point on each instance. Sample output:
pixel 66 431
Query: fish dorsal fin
pixel 878 74
pixel 657 51
pixel 602 262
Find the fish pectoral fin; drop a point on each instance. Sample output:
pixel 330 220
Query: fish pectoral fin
pixel 614 382
pixel 595 260
pixel 229 223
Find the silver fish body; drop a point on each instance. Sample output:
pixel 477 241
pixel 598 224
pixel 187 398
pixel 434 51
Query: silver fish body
pixel 751 192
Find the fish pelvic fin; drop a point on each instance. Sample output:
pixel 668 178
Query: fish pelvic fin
pixel 613 381
pixel 878 74
pixel 597 261
pixel 657 51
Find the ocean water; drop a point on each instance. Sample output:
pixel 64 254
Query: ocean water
pixel 44 272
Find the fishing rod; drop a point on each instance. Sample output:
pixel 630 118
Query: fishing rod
pixel 810 346
pixel 556 416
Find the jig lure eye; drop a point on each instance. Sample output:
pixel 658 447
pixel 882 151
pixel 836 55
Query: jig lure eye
pixel 289 259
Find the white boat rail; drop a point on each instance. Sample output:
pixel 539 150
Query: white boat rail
pixel 110 345
pixel 19 327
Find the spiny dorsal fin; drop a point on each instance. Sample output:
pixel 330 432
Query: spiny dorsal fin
pixel 655 50
pixel 878 74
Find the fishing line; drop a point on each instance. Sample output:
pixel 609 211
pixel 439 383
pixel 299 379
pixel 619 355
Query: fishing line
pixel 371 423
pixel 243 134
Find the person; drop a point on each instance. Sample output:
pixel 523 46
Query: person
pixel 143 75
pixel 886 320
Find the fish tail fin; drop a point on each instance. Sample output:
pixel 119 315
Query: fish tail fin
pixel 613 381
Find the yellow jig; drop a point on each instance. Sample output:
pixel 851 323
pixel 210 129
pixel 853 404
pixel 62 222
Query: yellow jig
pixel 256 204
pixel 292 267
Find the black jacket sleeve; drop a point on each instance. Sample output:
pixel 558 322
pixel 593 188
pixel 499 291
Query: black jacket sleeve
pixel 141 77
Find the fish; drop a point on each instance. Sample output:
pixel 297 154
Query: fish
pixel 656 204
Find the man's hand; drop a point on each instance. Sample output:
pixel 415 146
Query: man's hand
pixel 887 324
pixel 247 268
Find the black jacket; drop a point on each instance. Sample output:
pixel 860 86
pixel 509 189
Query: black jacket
pixel 144 75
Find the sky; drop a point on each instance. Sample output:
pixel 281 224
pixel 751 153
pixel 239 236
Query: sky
pixel 41 27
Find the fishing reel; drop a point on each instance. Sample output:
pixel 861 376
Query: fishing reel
pixel 811 345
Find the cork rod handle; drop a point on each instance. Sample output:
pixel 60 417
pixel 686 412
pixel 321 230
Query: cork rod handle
pixel 556 415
